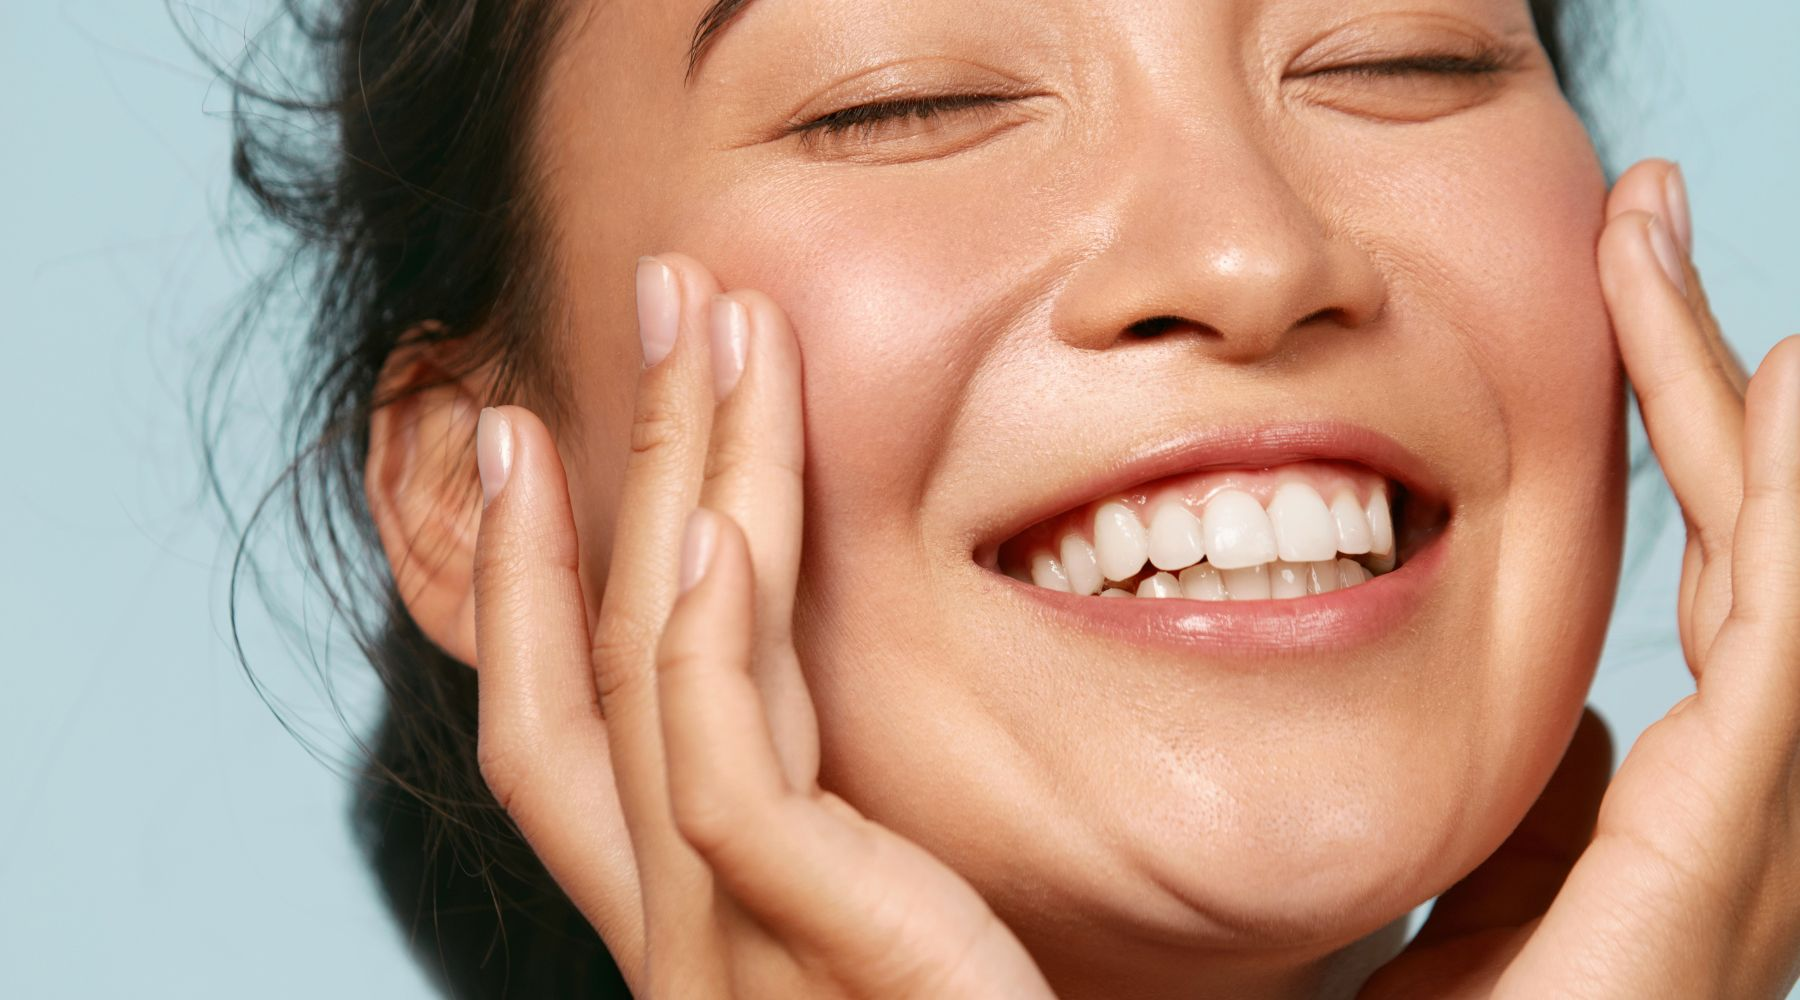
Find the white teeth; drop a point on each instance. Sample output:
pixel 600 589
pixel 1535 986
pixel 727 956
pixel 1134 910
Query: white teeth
pixel 1202 583
pixel 1160 585
pixel 1237 530
pixel 1279 580
pixel 1352 525
pixel 1079 564
pixel 1047 573
pixel 1381 523
pixel 1303 527
pixel 1323 577
pixel 1288 580
pixel 1120 546
pixel 1249 583
pixel 1175 541
pixel 1234 550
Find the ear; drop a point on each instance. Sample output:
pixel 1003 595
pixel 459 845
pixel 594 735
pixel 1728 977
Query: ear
pixel 424 494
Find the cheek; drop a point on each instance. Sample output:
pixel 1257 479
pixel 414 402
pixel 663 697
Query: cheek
pixel 1499 249
pixel 897 291
pixel 1506 269
pixel 1491 258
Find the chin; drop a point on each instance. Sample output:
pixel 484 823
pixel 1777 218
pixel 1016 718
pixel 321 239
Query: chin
pixel 1311 871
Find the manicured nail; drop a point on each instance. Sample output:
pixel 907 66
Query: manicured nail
pixel 493 452
pixel 659 308
pixel 1680 219
pixel 730 339
pixel 697 544
pixel 1667 255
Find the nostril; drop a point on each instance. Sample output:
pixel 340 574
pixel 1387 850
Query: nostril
pixel 1329 315
pixel 1156 326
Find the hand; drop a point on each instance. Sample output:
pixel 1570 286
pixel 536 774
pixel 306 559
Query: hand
pixel 663 761
pixel 1684 879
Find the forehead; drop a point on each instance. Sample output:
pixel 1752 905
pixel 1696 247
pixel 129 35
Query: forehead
pixel 672 38
pixel 646 53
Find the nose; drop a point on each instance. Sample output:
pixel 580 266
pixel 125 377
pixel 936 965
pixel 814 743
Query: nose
pixel 1210 238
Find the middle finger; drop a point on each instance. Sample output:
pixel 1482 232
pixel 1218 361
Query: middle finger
pixel 670 430
pixel 754 474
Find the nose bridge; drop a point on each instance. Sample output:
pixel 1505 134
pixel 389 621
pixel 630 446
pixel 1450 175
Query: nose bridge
pixel 1212 227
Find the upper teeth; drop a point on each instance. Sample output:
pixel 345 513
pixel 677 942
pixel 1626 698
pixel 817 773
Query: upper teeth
pixel 1235 548
pixel 1120 543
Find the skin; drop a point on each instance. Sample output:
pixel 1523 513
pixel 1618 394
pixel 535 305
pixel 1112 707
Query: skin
pixel 852 761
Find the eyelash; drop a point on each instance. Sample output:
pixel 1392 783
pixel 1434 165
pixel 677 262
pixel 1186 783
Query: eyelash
pixel 1479 64
pixel 865 117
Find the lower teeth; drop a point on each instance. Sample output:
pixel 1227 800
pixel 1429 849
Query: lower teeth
pixel 1277 580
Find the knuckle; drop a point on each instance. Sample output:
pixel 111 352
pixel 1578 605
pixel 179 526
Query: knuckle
pixel 707 817
pixel 1765 504
pixel 655 430
pixel 791 466
pixel 541 539
pixel 732 457
pixel 620 656
pixel 1665 382
pixel 497 562
pixel 502 767
pixel 728 455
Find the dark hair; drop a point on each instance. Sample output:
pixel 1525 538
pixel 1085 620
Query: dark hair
pixel 416 222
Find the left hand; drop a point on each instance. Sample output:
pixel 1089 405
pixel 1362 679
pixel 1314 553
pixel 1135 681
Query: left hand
pixel 1683 880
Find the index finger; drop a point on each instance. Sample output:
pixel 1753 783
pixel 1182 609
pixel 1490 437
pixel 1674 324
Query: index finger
pixel 1657 187
pixel 1693 413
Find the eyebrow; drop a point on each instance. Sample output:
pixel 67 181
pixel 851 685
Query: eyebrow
pixel 707 30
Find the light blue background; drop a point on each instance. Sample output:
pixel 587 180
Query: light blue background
pixel 160 834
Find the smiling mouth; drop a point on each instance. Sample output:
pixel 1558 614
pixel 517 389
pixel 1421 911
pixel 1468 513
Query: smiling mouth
pixel 1282 532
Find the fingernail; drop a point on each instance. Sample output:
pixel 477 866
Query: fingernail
pixel 1667 255
pixel 1675 193
pixel 659 308
pixel 730 339
pixel 493 452
pixel 697 543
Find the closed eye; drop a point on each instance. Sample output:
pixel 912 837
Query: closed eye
pixel 1480 64
pixel 862 120
pixel 1412 88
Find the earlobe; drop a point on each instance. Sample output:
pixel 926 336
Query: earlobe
pixel 424 495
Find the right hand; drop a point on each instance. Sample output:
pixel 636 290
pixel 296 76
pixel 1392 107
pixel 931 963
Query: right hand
pixel 663 761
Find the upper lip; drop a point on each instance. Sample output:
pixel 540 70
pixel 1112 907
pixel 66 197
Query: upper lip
pixel 1258 447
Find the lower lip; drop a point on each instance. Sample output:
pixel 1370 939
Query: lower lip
pixel 1321 623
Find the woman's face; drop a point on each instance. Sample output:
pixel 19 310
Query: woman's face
pixel 1360 278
